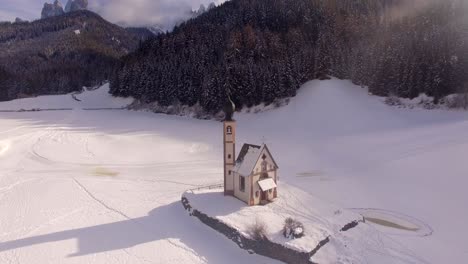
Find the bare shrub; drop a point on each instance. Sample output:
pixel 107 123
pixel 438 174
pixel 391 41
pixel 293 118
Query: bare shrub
pixel 393 100
pixel 457 101
pixel 427 103
pixel 293 229
pixel 258 230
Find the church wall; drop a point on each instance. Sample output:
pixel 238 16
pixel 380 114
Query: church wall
pixel 256 190
pixel 245 195
pixel 271 171
pixel 258 166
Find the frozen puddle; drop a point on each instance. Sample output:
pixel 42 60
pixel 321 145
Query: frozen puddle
pixel 390 224
pixel 320 175
pixel 310 174
pixel 395 223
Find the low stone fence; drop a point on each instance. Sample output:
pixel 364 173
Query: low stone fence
pixel 262 247
pixel 104 108
pixel 61 109
pixel 36 110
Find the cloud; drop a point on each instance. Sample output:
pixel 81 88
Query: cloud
pixel 26 9
pixel 147 12
pixel 128 12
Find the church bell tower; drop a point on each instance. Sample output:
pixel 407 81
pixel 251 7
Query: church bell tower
pixel 229 143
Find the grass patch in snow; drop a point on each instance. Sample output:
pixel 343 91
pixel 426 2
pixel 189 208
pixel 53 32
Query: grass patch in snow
pixel 99 171
pixel 390 224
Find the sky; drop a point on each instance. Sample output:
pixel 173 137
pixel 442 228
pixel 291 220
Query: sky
pixel 128 12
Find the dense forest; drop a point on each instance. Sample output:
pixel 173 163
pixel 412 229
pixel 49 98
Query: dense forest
pixel 261 50
pixel 60 54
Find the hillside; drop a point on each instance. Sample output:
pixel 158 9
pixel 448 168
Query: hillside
pixel 259 51
pixel 59 54
pixel 105 186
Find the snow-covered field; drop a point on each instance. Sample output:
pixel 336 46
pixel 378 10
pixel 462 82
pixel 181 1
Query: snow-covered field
pixel 321 221
pixel 104 186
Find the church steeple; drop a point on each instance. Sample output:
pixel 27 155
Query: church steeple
pixel 229 109
pixel 229 143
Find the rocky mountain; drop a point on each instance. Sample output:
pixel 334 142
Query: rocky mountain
pixel 60 54
pixel 50 10
pixel 262 50
pixel 56 9
pixel 156 29
pixel 75 5
pixel 19 20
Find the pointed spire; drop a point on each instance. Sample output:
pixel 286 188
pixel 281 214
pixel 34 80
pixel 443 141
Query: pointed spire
pixel 229 109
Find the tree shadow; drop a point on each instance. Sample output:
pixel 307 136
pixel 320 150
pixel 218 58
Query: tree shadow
pixel 162 223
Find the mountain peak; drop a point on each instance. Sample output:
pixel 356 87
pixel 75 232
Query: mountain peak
pixel 50 10
pixel 75 5
pixel 56 9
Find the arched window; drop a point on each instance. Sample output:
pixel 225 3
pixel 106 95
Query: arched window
pixel 229 130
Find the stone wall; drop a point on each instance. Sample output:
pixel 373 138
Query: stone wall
pixel 262 247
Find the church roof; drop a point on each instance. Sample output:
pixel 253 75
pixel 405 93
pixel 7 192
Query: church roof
pixel 245 150
pixel 248 157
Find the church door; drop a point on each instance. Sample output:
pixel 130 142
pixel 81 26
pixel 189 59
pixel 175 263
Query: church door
pixel 264 196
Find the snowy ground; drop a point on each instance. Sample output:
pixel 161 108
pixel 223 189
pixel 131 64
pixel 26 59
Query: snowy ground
pixel 321 220
pixel 104 186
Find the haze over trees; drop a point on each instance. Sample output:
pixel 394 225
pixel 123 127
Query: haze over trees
pixel 258 51
pixel 60 54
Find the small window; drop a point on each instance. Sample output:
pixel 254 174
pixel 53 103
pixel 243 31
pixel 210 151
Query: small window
pixel 257 194
pixel 264 165
pixel 229 156
pixel 230 172
pixel 270 191
pixel 241 184
pixel 229 130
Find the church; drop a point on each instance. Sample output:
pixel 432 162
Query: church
pixel 253 176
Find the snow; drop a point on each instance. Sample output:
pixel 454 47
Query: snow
pixel 104 186
pixel 99 98
pixel 267 184
pixel 246 166
pixel 77 32
pixel 318 217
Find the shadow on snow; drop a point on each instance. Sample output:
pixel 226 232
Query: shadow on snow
pixel 166 222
